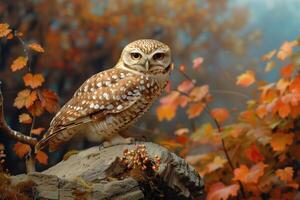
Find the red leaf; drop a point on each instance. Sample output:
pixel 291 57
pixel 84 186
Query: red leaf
pixel 253 154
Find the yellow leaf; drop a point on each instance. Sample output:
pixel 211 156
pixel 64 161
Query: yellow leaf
pixel 4 30
pixel 36 47
pixel 167 112
pixel 19 63
pixel 25 118
pixel 246 79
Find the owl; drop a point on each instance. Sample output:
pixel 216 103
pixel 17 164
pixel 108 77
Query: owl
pixel 112 100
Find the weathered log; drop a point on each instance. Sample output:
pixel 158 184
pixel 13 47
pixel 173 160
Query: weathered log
pixel 100 174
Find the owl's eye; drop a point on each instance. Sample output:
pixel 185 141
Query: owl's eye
pixel 158 56
pixel 135 56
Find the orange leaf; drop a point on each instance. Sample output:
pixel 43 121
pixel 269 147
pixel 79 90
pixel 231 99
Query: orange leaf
pixel 220 114
pixel 269 55
pixel 19 63
pixel 37 131
pixel 21 149
pixel 199 93
pixel 49 100
pixel 4 30
pixel 253 154
pixel 286 71
pixel 167 112
pixel 42 157
pixel 261 111
pixel 197 63
pixel 33 81
pixel 280 141
pixel 36 47
pixel 246 175
pixel 36 109
pixel 195 109
pixel 25 118
pixel 246 79
pixel 186 86
pixel 25 98
pixel 286 50
pixel 285 174
pixel 269 66
pixel 219 191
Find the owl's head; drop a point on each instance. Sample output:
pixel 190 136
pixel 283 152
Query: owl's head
pixel 147 56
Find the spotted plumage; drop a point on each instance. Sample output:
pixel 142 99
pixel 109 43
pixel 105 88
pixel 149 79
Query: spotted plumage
pixel 110 101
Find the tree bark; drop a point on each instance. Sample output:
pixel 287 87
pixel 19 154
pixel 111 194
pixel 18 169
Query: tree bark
pixel 100 173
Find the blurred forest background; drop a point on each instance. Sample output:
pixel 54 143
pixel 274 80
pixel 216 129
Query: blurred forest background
pixel 83 37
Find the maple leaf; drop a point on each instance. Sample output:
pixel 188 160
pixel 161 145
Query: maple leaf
pixel 33 80
pixel 42 157
pixel 37 131
pixel 49 100
pixel 253 154
pixel 167 112
pixel 268 55
pixel 4 30
pixel 199 93
pixel 19 63
pixel 36 47
pixel 36 109
pixel 195 109
pixel 220 114
pixel 219 191
pixel 246 175
pixel 25 118
pixel 186 86
pixel 286 50
pixel 246 79
pixel 25 98
pixel 197 63
pixel 21 149
pixel 287 71
pixel 280 141
pixel 286 174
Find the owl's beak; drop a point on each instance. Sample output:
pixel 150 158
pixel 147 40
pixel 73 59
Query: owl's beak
pixel 147 65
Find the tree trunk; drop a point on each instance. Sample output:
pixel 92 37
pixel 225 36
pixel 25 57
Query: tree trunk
pixel 104 174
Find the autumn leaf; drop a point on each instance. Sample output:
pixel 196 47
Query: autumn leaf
pixel 185 86
pixel 36 47
pixel 25 98
pixel 270 65
pixel 269 55
pixel 219 191
pixel 199 93
pixel 246 79
pixel 220 114
pixel 195 109
pixel 197 63
pixel 25 118
pixel 33 80
pixel 253 154
pixel 49 100
pixel 19 63
pixel 287 71
pixel 42 157
pixel 167 112
pixel 36 109
pixel 182 131
pixel 4 30
pixel 286 50
pixel 252 175
pixel 280 141
pixel 21 149
pixel 286 174
pixel 37 131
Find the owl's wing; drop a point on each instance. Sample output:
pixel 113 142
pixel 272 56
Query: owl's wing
pixel 111 91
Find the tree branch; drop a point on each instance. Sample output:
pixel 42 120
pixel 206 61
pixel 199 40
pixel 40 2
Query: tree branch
pixel 10 132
